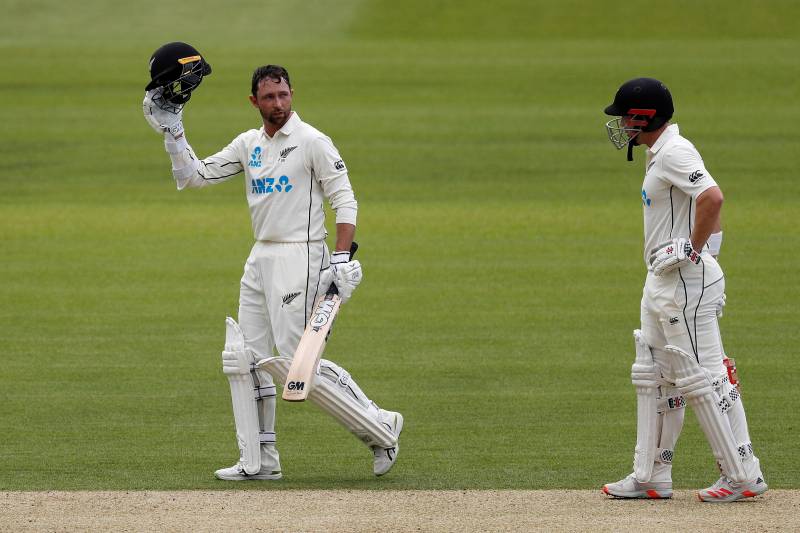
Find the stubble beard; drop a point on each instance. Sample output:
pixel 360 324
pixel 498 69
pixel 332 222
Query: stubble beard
pixel 277 119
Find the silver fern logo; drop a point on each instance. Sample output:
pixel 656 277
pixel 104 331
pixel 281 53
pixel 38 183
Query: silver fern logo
pixel 288 298
pixel 286 151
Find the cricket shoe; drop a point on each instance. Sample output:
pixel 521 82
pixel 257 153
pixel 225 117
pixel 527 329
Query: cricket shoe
pixel 384 458
pixel 630 487
pixel 237 473
pixel 725 490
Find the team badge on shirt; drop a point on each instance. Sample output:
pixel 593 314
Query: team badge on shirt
pixel 285 153
pixel 339 165
pixel 696 176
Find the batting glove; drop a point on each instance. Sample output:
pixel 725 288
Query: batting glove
pixel 673 254
pixel 162 120
pixel 344 273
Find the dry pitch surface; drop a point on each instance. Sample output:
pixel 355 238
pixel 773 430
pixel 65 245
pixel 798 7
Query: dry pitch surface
pixel 253 510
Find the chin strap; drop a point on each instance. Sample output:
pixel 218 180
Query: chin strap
pixel 630 150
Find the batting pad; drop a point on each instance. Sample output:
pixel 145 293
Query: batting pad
pixel 236 366
pixel 644 376
pixel 333 394
pixel 671 409
pixel 698 390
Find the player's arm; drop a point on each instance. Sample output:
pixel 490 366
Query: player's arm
pixel 331 173
pixel 187 169
pixel 191 172
pixel 684 169
pixel 706 221
pixel 345 233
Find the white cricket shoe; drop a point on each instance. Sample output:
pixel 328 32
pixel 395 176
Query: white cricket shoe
pixel 725 490
pixel 237 473
pixel 630 487
pixel 384 458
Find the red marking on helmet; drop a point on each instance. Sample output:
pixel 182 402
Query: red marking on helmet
pixel 646 112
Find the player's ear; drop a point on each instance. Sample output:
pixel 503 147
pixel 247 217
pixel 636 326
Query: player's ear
pixel 253 100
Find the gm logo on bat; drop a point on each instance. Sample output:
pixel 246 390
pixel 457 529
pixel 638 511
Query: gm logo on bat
pixel 322 315
pixel 296 385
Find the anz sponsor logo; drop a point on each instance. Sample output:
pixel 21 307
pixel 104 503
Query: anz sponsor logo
pixel 270 185
pixel 645 199
pixel 255 158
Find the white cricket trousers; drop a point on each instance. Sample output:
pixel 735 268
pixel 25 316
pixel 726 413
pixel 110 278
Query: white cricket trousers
pixel 679 308
pixel 277 293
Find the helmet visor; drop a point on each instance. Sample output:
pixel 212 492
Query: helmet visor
pixel 178 91
pixel 619 133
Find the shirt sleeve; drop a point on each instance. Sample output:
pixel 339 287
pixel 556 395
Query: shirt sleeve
pixel 191 172
pixel 684 168
pixel 331 173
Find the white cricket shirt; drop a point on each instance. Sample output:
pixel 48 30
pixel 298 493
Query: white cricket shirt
pixel 675 177
pixel 286 178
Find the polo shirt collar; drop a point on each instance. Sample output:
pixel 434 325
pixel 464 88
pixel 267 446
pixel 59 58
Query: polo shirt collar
pixel 666 135
pixel 288 128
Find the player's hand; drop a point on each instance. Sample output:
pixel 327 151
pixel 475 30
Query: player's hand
pixel 344 273
pixel 161 120
pixel 673 254
pixel 721 305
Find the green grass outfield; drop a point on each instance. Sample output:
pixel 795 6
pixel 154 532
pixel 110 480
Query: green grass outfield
pixel 500 233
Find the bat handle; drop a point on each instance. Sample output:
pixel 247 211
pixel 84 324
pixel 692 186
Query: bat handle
pixel 333 289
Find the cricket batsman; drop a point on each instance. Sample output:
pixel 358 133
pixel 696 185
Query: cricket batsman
pixel 679 356
pixel 289 168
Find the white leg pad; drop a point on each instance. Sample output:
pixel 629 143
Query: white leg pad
pixel 698 389
pixel 644 376
pixel 339 396
pixel 671 410
pixel 731 404
pixel 236 364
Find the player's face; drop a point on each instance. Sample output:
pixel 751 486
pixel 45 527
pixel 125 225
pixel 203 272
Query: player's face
pixel 274 101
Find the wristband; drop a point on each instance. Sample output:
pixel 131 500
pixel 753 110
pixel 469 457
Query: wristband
pixel 714 243
pixel 173 145
pixel 340 257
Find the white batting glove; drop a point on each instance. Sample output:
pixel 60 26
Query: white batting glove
pixel 344 273
pixel 673 254
pixel 721 305
pixel 161 120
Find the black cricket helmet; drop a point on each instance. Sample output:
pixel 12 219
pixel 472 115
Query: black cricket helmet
pixel 648 105
pixel 178 68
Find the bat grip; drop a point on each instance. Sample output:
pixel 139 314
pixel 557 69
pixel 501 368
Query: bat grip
pixel 333 289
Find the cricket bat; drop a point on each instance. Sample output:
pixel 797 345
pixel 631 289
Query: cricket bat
pixel 309 351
